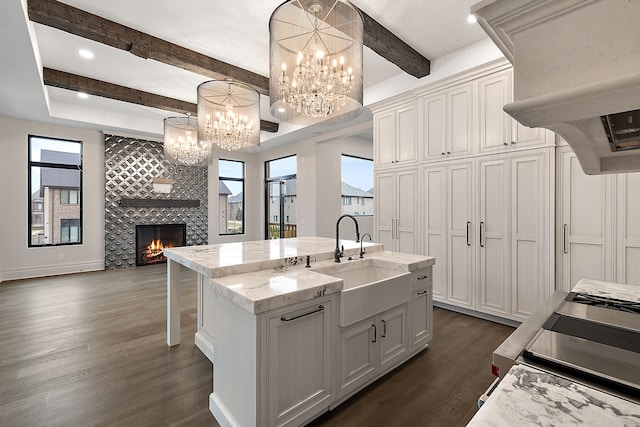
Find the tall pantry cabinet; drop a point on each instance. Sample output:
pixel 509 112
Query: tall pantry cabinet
pixel 597 228
pixel 482 203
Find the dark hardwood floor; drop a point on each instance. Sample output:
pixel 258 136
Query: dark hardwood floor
pixel 89 350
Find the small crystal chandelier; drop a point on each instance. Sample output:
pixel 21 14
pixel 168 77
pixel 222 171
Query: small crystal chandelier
pixel 316 61
pixel 229 115
pixel 181 144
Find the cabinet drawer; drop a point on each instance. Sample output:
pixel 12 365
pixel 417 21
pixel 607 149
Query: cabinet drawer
pixel 421 277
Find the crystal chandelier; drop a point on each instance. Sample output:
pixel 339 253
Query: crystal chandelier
pixel 181 144
pixel 229 115
pixel 316 61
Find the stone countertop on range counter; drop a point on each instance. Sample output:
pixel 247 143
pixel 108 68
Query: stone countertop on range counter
pixel 608 290
pixel 268 289
pixel 530 397
pixel 225 259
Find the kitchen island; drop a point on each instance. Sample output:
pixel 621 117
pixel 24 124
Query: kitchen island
pixel 273 322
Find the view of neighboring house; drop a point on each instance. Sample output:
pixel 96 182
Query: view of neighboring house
pixel 288 208
pixel 356 201
pixel 56 206
pixel 234 206
pixel 223 206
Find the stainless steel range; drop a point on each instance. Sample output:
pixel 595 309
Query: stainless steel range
pixel 591 339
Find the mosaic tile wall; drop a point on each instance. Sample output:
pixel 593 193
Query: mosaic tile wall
pixel 130 166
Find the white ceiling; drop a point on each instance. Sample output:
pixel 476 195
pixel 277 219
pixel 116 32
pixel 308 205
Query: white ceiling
pixel 234 32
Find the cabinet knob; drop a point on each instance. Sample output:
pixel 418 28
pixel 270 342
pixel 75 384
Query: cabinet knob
pixel 443 153
pixel 448 152
pixel 505 143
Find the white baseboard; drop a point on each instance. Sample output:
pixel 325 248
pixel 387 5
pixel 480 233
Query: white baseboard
pixel 51 270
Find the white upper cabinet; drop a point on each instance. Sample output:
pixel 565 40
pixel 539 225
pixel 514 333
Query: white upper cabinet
pixel 494 91
pixel 447 123
pixel 395 136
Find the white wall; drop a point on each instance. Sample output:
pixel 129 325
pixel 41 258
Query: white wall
pixel 329 189
pixel 17 260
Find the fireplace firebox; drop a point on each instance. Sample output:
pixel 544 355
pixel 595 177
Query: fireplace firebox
pixel 152 239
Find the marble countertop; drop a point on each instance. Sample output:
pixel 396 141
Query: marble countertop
pixel 529 397
pixel 608 289
pixel 268 289
pixel 225 259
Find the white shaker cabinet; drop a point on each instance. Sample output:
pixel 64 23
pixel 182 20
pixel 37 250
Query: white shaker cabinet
pixel 396 210
pixel 597 232
pixel 299 356
pixel 395 136
pixel 371 347
pixel 447 211
pixel 584 227
pixel 627 265
pixel 494 92
pixel 447 123
pixel 514 230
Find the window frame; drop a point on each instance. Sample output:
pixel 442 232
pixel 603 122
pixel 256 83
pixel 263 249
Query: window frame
pixel 40 164
pixel 241 180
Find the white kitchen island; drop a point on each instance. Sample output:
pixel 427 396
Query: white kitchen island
pixel 282 355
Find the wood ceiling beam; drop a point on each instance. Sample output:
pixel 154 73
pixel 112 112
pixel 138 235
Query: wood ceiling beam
pixel 393 49
pixel 95 87
pixel 84 24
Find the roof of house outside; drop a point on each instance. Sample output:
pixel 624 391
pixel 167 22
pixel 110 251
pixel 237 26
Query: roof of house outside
pixel 238 198
pixel 223 189
pixel 60 157
pixel 351 191
pixel 60 178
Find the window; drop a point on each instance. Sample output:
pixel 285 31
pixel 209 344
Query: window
pixel 69 197
pixel 357 185
pixel 280 189
pixel 55 191
pixel 231 196
pixel 69 230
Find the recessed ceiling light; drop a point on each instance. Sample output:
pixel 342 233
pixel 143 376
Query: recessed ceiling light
pixel 471 19
pixel 82 95
pixel 85 53
pixel 281 110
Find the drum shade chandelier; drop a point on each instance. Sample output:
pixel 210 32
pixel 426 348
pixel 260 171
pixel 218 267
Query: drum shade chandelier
pixel 229 115
pixel 181 144
pixel 315 61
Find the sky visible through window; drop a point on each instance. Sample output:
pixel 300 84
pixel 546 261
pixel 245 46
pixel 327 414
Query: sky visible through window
pixel 39 144
pixel 357 172
pixel 283 167
pixel 231 169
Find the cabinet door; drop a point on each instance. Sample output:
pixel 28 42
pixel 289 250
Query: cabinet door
pixel 492 247
pixel 524 136
pixel 460 121
pixel 529 242
pixel 385 209
pixel 407 134
pixel 628 228
pixel 405 196
pixel 583 224
pixel 298 361
pixel 460 233
pixel 421 317
pixel 357 355
pixel 392 336
pixel 384 137
pixel 434 204
pixel 494 92
pixel 434 126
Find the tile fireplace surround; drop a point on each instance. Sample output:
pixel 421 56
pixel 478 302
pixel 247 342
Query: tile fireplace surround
pixel 130 166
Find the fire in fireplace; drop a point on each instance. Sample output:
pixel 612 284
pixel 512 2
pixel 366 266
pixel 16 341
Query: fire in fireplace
pixel 152 239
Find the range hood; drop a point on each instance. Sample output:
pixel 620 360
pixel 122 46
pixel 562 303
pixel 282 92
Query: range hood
pixel 576 72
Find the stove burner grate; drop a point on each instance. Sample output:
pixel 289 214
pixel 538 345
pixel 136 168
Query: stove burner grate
pixel 604 302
